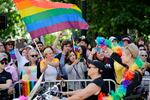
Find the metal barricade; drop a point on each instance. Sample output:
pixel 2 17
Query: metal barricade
pixel 65 84
pixel 146 83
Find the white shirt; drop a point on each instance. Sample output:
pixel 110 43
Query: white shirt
pixel 50 73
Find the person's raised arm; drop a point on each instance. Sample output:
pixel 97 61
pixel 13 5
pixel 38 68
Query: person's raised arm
pixel 43 66
pixel 113 55
pixel 70 67
pixel 60 35
pixel 17 53
pixel 92 53
pixel 54 63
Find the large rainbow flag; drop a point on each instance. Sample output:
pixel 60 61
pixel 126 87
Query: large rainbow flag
pixel 43 17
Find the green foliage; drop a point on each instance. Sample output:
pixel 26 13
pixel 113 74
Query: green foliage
pixel 116 16
pixel 105 17
pixel 15 26
pixel 49 39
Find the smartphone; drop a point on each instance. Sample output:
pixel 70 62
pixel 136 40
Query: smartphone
pixel 97 49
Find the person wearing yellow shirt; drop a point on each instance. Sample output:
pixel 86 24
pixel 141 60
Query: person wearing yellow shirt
pixel 49 65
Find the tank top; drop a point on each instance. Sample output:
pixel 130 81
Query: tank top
pixel 99 82
pixel 50 73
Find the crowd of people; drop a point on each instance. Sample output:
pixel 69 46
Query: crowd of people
pixel 24 62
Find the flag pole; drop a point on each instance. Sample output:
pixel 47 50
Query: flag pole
pixel 38 49
pixel 35 88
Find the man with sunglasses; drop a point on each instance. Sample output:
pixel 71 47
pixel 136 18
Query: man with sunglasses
pixel 5 77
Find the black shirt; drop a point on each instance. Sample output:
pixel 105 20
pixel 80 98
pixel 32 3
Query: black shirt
pixel 4 76
pixel 100 83
pixel 108 69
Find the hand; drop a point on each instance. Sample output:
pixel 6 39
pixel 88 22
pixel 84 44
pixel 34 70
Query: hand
pixel 55 98
pixel 93 51
pixel 11 90
pixel 60 35
pixel 107 51
pixel 65 94
pixel 76 61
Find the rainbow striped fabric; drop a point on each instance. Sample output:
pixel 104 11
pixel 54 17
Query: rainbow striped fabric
pixel 43 17
pixel 27 86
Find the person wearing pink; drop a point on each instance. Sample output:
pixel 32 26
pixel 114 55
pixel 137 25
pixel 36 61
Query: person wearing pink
pixel 11 68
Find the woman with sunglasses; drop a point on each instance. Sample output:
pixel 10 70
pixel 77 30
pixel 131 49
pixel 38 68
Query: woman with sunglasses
pixel 30 69
pixel 146 68
pixel 5 77
pixel 94 90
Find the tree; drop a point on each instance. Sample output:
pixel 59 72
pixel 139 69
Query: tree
pixel 115 16
pixel 15 26
pixel 105 17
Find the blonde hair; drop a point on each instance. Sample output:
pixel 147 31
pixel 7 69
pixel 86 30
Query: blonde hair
pixel 32 50
pixel 47 50
pixel 133 50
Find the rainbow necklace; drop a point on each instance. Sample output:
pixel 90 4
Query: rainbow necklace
pixel 127 80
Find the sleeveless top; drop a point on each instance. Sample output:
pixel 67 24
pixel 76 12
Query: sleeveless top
pixel 50 73
pixel 29 73
pixel 100 83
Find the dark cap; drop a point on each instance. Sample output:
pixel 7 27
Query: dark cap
pixel 83 38
pixel 126 39
pixel 96 63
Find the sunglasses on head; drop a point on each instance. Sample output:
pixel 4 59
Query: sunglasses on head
pixel 34 55
pixel 4 61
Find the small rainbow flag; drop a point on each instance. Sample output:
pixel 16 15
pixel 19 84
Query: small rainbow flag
pixel 27 86
pixel 43 17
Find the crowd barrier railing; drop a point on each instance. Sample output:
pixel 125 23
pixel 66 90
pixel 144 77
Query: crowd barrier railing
pixel 146 83
pixel 68 84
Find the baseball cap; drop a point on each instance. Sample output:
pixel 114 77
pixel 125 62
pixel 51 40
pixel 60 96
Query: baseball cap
pixel 2 56
pixel 96 63
pixel 29 46
pixel 112 38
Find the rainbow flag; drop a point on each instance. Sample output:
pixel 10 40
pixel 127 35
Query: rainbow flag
pixel 43 17
pixel 27 86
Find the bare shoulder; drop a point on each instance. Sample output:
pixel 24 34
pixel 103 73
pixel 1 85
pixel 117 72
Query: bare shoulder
pixel 92 87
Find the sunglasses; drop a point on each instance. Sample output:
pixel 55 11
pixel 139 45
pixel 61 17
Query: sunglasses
pixel 144 55
pixel 4 61
pixel 142 49
pixel 34 56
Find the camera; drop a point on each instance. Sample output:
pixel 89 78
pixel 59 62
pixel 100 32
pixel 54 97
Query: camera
pixel 81 59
